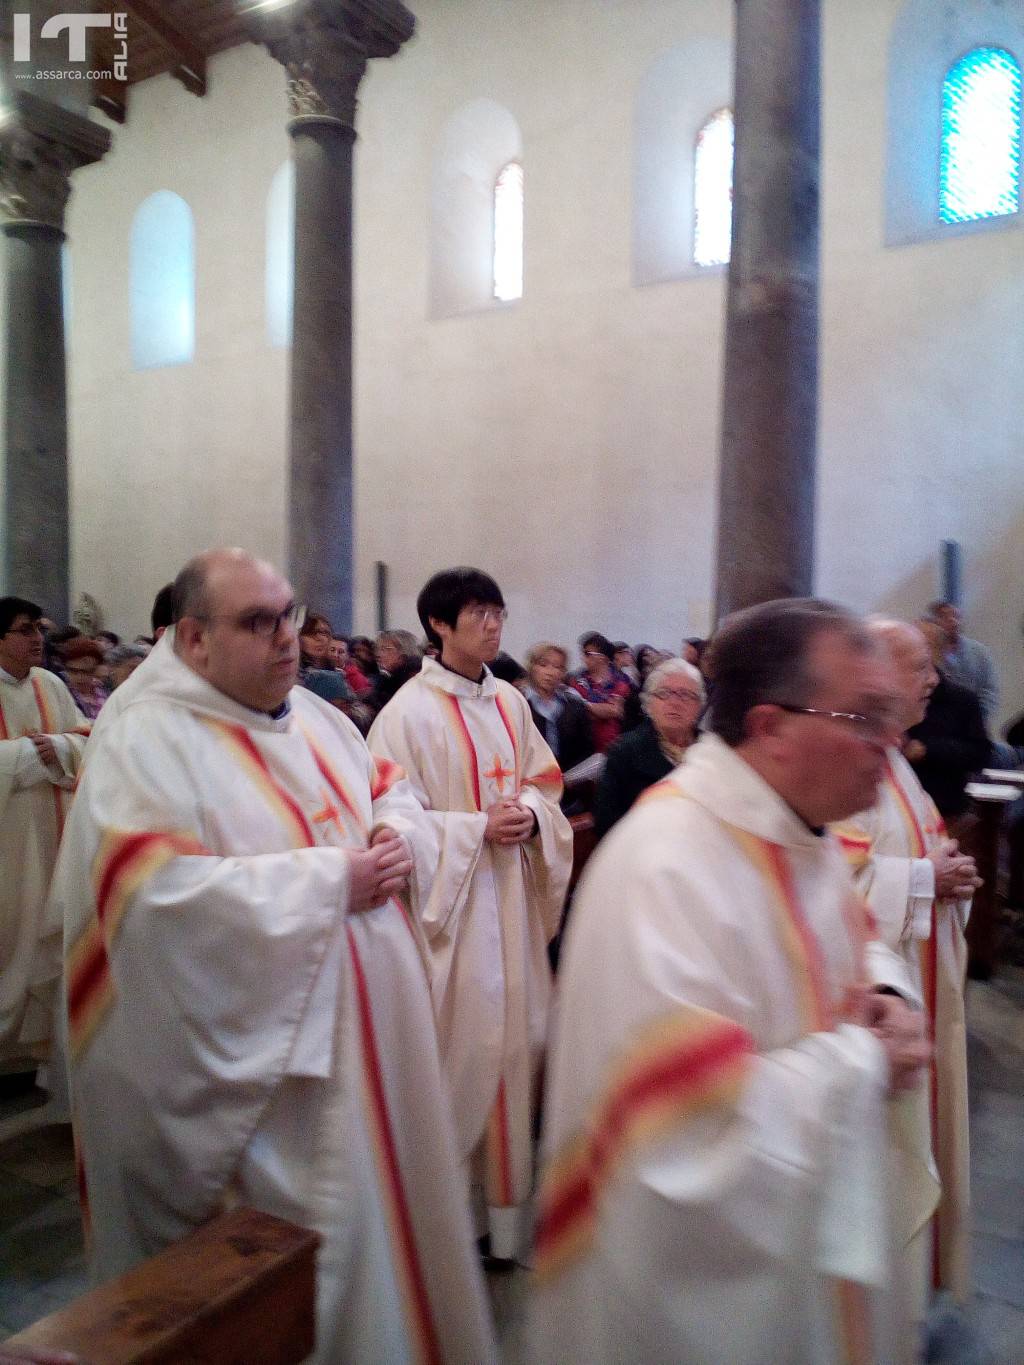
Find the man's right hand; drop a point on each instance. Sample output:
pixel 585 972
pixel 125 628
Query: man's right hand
pixel 378 873
pixel 956 876
pixel 508 823
pixel 45 749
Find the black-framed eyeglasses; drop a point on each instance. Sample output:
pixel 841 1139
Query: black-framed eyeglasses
pixel 883 725
pixel 264 624
pixel 669 694
pixel 29 628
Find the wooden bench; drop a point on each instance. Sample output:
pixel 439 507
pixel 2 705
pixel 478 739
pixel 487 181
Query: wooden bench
pixel 241 1290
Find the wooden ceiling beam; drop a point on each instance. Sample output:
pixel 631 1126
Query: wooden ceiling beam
pixel 189 58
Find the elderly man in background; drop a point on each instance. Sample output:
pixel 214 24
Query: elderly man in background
pixel 249 1014
pixel 42 736
pixel 949 743
pixel 672 698
pixel 400 657
pixel 919 887
pixel 967 662
pixel 715 1119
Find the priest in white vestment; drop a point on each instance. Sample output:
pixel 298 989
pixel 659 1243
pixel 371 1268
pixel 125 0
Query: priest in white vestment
pixel 249 1010
pixel 714 1179
pixel 489 888
pixel 42 735
pixel 919 888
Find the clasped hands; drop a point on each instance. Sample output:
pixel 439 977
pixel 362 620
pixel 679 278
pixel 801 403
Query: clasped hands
pixel 956 876
pixel 45 748
pixel 901 1031
pixel 379 872
pixel 508 822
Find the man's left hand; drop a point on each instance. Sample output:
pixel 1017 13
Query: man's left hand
pixel 45 748
pixel 900 1030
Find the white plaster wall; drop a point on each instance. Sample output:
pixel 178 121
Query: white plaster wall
pixel 567 443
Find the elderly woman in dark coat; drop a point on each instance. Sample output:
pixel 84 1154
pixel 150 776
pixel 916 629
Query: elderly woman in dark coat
pixel 672 699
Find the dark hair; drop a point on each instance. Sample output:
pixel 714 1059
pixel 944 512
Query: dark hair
pixel 313 622
pixel 109 636
pixel 163 613
pixel 444 596
pixel 595 640
pixel 13 607
pixel 935 607
pixel 59 638
pixel 759 656
pixel 82 648
pixel 508 669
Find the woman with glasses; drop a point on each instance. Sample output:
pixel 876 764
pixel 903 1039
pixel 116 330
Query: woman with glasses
pixel 83 659
pixel 672 700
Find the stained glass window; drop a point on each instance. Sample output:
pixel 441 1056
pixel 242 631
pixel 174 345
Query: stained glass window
pixel 508 233
pixel 712 191
pixel 981 135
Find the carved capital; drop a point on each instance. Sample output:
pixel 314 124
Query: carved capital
pixel 324 46
pixel 40 146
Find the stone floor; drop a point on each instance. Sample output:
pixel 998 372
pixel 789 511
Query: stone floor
pixel 42 1261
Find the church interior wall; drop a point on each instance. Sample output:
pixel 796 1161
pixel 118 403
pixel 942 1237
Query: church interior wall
pixel 566 442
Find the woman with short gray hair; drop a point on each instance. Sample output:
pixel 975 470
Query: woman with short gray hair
pixel 672 701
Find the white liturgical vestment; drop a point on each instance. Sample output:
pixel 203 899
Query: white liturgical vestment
pixel 34 800
pixel 236 1035
pixel 488 911
pixel 714 1178
pixel 887 849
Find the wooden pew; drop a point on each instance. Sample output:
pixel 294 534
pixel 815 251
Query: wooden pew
pixel 990 801
pixel 238 1291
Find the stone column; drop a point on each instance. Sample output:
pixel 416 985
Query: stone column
pixel 324 46
pixel 769 427
pixel 41 144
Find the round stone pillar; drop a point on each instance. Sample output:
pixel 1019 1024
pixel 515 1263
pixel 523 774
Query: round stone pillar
pixel 769 424
pixel 40 145
pixel 324 46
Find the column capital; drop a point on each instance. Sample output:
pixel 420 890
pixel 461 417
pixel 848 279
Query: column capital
pixel 41 144
pixel 324 46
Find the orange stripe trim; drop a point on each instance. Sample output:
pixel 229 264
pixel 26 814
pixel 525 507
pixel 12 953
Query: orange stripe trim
pixel 917 839
pixel 510 729
pixel 124 862
pixel 385 775
pixel 468 748
pixel 417 1304
pixel 499 1152
pixel 239 740
pixel 334 781
pixel 691 1062
pixel 45 714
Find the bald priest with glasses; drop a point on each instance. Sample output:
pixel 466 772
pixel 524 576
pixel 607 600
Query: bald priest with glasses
pixel 248 1007
pixel 490 893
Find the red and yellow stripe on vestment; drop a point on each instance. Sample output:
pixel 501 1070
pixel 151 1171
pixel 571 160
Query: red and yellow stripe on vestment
pixel 406 1255
pixel 335 782
pixel 49 726
pixel 498 1154
pixel 658 791
pixel 240 744
pixel 688 1063
pixel 855 845
pixel 799 942
pixel 467 749
pixel 510 729
pixel 125 860
pixel 385 775
pixel 548 780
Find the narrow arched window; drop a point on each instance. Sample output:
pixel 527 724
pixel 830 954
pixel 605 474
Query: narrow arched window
pixel 280 273
pixel 508 233
pixel 712 191
pixel 162 274
pixel 979 174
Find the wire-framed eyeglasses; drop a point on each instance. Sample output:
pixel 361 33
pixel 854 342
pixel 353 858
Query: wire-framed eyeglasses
pixel 880 725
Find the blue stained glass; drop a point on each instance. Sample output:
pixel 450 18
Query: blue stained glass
pixel 981 137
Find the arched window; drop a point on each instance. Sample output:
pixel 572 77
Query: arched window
pixel 979 175
pixel 280 264
pixel 712 191
pixel 162 273
pixel 508 233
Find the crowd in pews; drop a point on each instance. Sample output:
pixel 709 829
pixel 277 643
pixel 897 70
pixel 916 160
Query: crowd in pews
pixel 286 958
